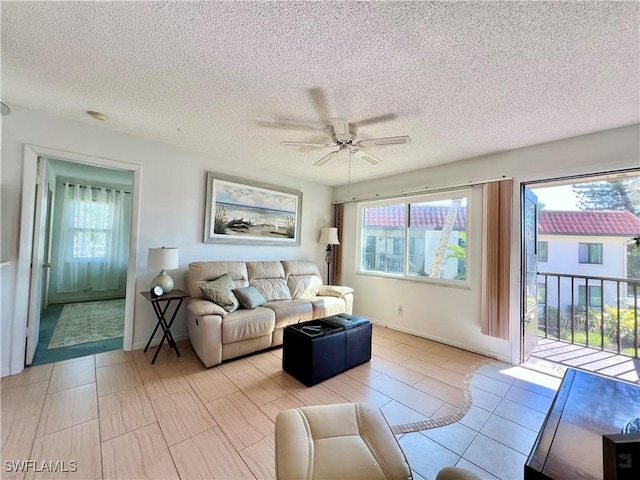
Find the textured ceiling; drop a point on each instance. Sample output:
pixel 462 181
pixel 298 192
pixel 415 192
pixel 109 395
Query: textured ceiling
pixel 233 79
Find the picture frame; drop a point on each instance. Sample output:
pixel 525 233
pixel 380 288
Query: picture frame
pixel 245 212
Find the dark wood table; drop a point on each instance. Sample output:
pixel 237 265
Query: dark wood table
pixel 176 295
pixel 586 406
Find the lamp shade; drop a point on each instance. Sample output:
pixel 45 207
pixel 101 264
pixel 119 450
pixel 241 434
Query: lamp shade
pixel 329 236
pixel 165 258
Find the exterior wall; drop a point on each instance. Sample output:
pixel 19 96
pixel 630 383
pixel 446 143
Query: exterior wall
pixel 563 258
pixel 171 206
pixel 452 315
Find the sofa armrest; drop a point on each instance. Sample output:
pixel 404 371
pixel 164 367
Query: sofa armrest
pixel 334 291
pixel 199 307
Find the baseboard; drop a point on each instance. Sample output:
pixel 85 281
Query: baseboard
pixel 445 341
pixel 156 341
pixel 5 372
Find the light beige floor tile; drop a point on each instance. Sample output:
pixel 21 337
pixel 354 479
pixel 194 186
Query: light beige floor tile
pixel 76 359
pixel 363 373
pixel 80 444
pixel 287 402
pixel 394 370
pixel 355 391
pixel 386 342
pixel 143 359
pixel 68 408
pixel 458 367
pixel 260 458
pixel 181 415
pixel 412 340
pixel 443 391
pixel 111 358
pixel 257 386
pixel 69 375
pixel 433 371
pixel 27 376
pixel 428 356
pixel 380 331
pixel 118 377
pixel 123 412
pixel 188 363
pixel 233 366
pixel 269 364
pixel 23 402
pixel 407 395
pixel 242 422
pixel 316 395
pixel 211 384
pixel 141 454
pixel 398 414
pixel 162 380
pixel 457 354
pixel 209 455
pixel 389 354
pixel 17 442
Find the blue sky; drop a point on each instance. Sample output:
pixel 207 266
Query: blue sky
pixel 557 198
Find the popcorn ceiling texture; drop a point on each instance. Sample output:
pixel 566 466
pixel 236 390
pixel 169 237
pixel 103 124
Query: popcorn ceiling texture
pixel 230 78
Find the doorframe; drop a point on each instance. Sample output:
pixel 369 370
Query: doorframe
pixel 25 245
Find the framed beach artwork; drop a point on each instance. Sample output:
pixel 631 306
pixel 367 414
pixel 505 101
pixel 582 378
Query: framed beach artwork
pixel 246 212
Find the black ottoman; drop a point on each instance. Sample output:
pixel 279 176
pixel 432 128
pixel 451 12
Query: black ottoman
pixel 319 349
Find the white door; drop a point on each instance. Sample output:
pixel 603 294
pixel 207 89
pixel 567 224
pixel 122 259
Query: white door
pixel 37 262
pixel 529 274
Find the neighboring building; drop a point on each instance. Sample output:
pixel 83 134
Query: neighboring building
pixel 585 243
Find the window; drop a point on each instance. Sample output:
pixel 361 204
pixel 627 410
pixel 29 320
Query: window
pixel 422 237
pixel 542 252
pixel 595 296
pixel 91 227
pixel 589 253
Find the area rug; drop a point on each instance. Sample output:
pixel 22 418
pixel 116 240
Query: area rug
pixel 88 322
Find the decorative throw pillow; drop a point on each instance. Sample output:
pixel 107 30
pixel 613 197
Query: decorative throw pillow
pixel 249 297
pixel 219 291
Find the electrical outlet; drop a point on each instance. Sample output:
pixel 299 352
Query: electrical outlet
pixel 400 310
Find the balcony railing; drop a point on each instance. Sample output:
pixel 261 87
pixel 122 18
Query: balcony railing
pixel 390 263
pixel 597 312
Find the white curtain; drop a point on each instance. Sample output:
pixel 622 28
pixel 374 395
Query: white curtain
pixel 94 239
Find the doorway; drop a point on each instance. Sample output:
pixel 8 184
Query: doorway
pixel 29 291
pixel 84 269
pixel 587 280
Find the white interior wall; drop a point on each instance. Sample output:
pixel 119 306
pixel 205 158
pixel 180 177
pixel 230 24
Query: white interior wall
pixel 172 206
pixel 451 315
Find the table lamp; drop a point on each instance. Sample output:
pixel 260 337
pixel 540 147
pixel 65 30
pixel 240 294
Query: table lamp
pixel 165 258
pixel 329 236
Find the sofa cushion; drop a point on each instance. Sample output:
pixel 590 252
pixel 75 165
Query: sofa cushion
pixel 246 324
pixel 326 306
pixel 269 279
pixel 204 307
pixel 219 292
pixel 249 297
pixel 290 311
pixel 335 291
pixel 200 272
pixel 303 278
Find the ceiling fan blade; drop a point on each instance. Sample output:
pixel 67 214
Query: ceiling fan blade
pixel 377 142
pixel 379 119
pixel 341 128
pixel 307 144
pixel 325 159
pixel 366 157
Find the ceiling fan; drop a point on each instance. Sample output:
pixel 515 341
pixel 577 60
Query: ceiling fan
pixel 346 140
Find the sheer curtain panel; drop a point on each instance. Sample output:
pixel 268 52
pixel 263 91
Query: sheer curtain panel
pixel 94 239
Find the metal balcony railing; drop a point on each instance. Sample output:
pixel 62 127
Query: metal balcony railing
pixel 390 263
pixel 597 312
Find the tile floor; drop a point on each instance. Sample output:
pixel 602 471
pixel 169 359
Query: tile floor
pixel 495 437
pixel 117 416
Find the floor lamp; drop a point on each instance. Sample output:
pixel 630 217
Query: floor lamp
pixel 329 237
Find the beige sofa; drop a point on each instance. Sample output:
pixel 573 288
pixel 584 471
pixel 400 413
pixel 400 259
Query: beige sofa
pixel 293 292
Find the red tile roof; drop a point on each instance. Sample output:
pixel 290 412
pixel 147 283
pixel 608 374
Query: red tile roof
pixel 421 217
pixel 609 223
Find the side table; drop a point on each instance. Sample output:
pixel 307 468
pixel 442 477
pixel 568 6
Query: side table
pixel 160 310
